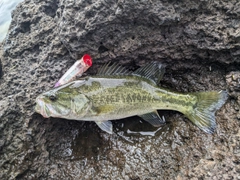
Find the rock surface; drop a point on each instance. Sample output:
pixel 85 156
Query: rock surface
pixel 199 42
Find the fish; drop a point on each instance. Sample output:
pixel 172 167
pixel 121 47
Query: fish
pixel 115 93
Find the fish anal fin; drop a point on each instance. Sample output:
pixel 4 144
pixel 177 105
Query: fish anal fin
pixel 105 126
pixel 153 71
pixel 153 118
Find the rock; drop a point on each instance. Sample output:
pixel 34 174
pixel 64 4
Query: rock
pixel 0 69
pixel 1 73
pixel 197 40
pixel 143 29
pixel 233 83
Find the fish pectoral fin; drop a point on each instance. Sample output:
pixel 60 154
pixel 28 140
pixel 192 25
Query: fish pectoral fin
pixel 153 118
pixel 105 126
pixel 153 71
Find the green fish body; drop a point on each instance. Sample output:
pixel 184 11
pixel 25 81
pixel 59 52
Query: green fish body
pixel 116 93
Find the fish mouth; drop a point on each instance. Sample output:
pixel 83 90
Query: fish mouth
pixel 41 108
pixel 47 110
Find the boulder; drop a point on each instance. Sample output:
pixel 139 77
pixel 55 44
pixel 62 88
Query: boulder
pixel 197 40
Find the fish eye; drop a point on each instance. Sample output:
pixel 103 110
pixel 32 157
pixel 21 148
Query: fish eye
pixel 52 98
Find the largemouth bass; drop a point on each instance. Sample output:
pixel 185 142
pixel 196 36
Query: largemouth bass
pixel 115 93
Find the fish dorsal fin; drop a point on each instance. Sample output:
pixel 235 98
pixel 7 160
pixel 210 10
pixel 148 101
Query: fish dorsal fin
pixel 153 118
pixel 105 126
pixel 153 71
pixel 114 69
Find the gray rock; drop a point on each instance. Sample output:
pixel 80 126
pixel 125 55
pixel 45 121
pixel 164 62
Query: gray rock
pixel 1 73
pixel 151 29
pixel 198 40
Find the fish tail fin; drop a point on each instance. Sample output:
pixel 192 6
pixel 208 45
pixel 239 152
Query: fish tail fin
pixel 203 113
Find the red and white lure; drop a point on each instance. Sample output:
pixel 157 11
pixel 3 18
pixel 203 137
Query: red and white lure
pixel 77 69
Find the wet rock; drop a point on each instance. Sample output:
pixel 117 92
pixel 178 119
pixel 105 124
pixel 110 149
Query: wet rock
pixel 197 40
